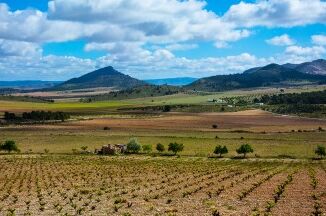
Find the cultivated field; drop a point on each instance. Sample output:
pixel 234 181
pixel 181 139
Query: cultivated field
pixel 78 185
pixel 270 135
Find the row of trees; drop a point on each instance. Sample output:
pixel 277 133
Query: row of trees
pixel 318 97
pixel 37 116
pixel 246 149
pixel 243 149
pixel 134 147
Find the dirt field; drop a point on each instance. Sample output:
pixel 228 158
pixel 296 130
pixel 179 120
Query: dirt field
pixel 270 135
pixel 251 120
pixel 76 185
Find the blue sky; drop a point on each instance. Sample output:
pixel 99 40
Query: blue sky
pixel 62 39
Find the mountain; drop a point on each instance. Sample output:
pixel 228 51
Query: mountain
pixel 314 67
pixel 104 77
pixel 270 75
pixel 180 81
pixel 28 84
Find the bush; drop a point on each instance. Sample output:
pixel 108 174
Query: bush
pixel 245 149
pixel 147 148
pixel 175 147
pixel 133 146
pixel 9 146
pixel 160 147
pixel 320 151
pixel 221 150
pixel 214 126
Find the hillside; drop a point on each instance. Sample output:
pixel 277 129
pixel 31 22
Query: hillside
pixel 28 84
pixel 314 67
pixel 270 75
pixel 104 77
pixel 136 92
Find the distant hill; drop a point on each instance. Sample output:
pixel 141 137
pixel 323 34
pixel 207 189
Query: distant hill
pixel 314 67
pixel 28 84
pixel 270 75
pixel 104 77
pixel 180 81
pixel 136 92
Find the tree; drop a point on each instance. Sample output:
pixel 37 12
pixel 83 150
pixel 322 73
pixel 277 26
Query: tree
pixel 9 146
pixel 133 146
pixel 221 150
pixel 147 148
pixel 84 148
pixel 175 147
pixel 160 147
pixel 320 151
pixel 245 149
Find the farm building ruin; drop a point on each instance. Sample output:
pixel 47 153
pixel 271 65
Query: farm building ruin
pixel 112 149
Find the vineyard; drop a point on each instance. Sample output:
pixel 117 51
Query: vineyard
pixel 89 185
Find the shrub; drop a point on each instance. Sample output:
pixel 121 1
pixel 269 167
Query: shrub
pixel 9 146
pixel 84 148
pixel 133 146
pixel 166 108
pixel 175 147
pixel 221 150
pixel 160 147
pixel 320 151
pixel 106 128
pixel 147 148
pixel 245 149
pixel 214 126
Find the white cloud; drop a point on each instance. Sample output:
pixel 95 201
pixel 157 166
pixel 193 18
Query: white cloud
pixel 170 21
pixel 298 54
pixel 19 48
pixel 282 40
pixel 177 47
pixel 44 68
pixel 277 13
pixel 319 39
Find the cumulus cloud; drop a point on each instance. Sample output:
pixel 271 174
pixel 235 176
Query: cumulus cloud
pixel 277 13
pixel 319 39
pixel 282 40
pixel 298 54
pixel 178 47
pixel 19 48
pixel 169 21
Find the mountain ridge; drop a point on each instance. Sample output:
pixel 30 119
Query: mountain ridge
pixel 103 77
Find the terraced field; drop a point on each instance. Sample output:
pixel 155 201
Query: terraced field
pixel 90 185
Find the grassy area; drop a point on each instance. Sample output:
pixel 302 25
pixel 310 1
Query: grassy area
pixel 298 145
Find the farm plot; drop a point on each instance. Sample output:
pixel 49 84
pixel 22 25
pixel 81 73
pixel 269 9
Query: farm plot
pixel 89 185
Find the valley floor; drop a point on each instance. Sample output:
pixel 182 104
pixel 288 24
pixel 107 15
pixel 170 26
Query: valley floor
pixel 271 135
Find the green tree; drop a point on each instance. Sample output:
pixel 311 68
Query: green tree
pixel 160 147
pixel 220 150
pixel 245 149
pixel 133 146
pixel 9 146
pixel 175 147
pixel 147 148
pixel 320 151
pixel 84 148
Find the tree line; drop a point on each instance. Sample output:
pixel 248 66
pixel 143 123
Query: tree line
pixel 37 116
pixel 318 97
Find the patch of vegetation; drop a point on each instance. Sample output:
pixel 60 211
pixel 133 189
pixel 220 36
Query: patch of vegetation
pixel 25 99
pixel 9 146
pixel 36 116
pixel 136 92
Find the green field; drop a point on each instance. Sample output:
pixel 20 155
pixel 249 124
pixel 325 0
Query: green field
pixel 297 145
